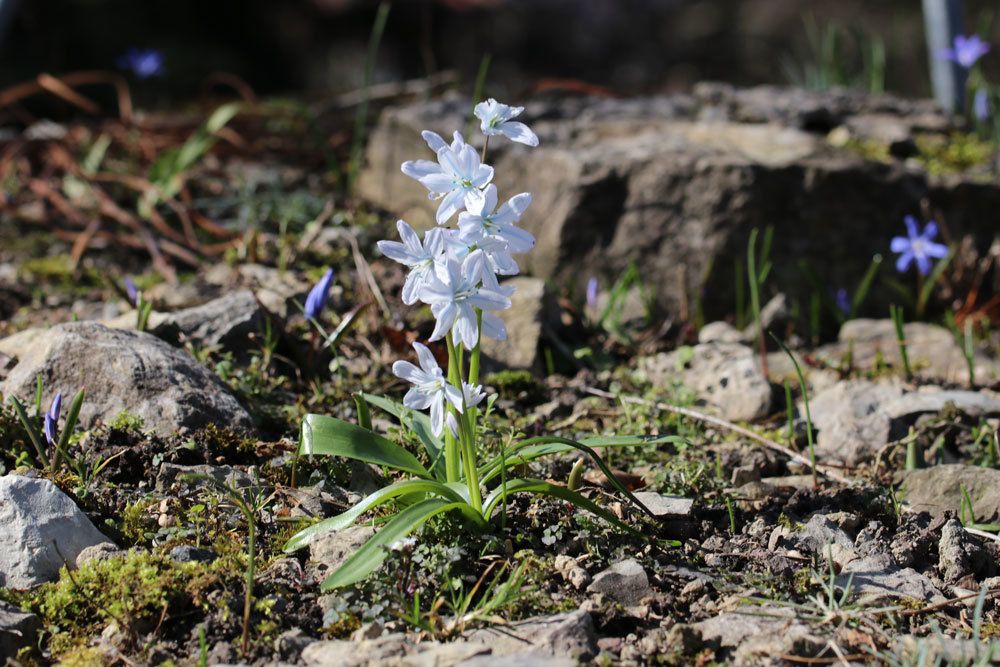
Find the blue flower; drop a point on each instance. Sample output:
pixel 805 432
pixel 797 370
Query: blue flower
pixel 132 291
pixel 965 51
pixel 843 301
pixel 52 419
pixel 917 245
pixel 592 285
pixel 143 63
pixel 318 295
pixel 981 105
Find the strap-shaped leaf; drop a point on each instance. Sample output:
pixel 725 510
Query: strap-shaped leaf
pixel 408 487
pixel 366 560
pixel 421 425
pixel 328 436
pixel 556 491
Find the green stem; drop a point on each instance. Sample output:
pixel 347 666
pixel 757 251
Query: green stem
pixel 452 465
pixel 251 572
pixel 474 360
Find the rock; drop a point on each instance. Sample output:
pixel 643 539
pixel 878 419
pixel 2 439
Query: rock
pixel 876 578
pixel 276 290
pixel 98 552
pixel 18 629
pixel 938 649
pixel 569 635
pixel 960 554
pixel 518 660
pixel 170 475
pixel 570 569
pixel 684 181
pixel 225 323
pixel 768 631
pixel 624 582
pixel 122 371
pixel 41 530
pixel 394 650
pixel 720 332
pixel 524 321
pixel 725 375
pixel 907 408
pixel 661 505
pixel 938 489
pixel 328 551
pixel 773 316
pixel 851 421
pixel 185 553
pixel 933 351
pixel 824 538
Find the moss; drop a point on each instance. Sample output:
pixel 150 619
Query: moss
pixel 137 524
pixel 139 591
pixel 83 657
pixel 126 421
pixel 511 384
pixel 953 154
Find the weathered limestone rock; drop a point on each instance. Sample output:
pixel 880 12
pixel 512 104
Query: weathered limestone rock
pixel 121 370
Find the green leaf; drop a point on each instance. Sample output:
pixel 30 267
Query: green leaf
pixel 366 560
pixel 401 489
pixel 328 436
pixel 419 423
pixel 556 491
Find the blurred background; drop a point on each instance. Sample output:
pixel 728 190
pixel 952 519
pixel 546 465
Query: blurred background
pixel 627 47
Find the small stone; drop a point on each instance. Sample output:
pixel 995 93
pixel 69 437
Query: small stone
pixel 938 489
pixel 171 474
pixel 960 554
pixel 625 582
pixel 570 569
pixel 744 475
pixel 185 553
pixel 720 332
pixel 97 553
pixel 876 578
pixel 668 506
pixel 18 629
pixel 41 530
pixel 328 551
pixel 850 419
pixel 524 320
pixel 569 635
pixel 825 539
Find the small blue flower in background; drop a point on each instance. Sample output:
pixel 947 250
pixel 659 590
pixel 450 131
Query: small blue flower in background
pixel 52 419
pixel 318 295
pixel 843 301
pixel 132 291
pixel 143 63
pixel 592 292
pixel 965 51
pixel 981 105
pixel 917 245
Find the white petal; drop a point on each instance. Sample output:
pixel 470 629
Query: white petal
pixel 420 168
pixel 466 327
pixel 427 361
pixel 397 252
pixel 434 140
pixel 404 370
pixel 417 400
pixel 454 396
pixel 445 320
pixel 518 239
pixel 450 205
pixel 437 414
pixel 439 183
pixel 494 327
pixel 518 132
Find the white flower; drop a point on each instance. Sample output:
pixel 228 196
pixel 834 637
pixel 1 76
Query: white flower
pixel 457 173
pixel 418 256
pixel 473 395
pixel 482 219
pixel 454 295
pixel 495 118
pixel 495 249
pixel 417 169
pixel 430 389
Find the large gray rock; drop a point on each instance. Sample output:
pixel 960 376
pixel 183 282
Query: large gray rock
pixel 525 321
pixel 563 635
pixel 18 629
pixel 938 489
pixel 877 577
pixel 851 420
pixel 393 650
pixel 41 530
pixel 727 376
pixel 677 184
pixel 328 551
pixel 756 633
pixel 121 370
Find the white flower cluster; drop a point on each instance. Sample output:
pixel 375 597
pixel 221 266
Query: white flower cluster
pixel 455 270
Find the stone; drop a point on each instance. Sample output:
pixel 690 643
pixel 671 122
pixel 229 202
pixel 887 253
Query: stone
pixel 41 530
pixel 851 420
pixel 170 474
pixel 624 582
pixel 276 290
pixel 755 632
pixel 226 323
pixel 121 371
pixel 727 376
pixel 525 321
pixel 186 553
pixel 393 650
pixel 571 571
pixel 684 180
pixel 661 505
pixel 98 552
pixel 18 629
pixel 518 660
pixel 960 554
pixel 825 538
pixel 939 649
pixel 933 351
pixel 720 332
pixel 876 578
pixel 569 635
pixel 938 489
pixel 932 400
pixel 328 551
